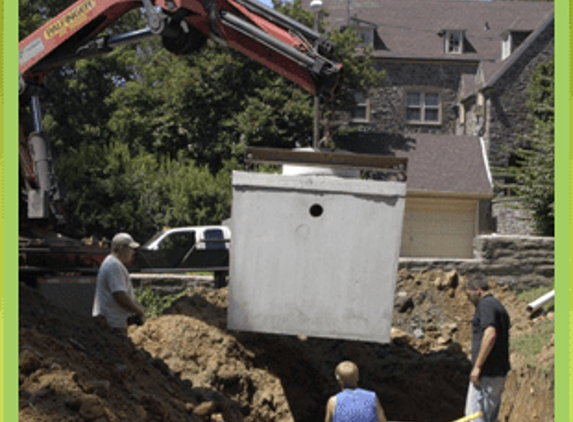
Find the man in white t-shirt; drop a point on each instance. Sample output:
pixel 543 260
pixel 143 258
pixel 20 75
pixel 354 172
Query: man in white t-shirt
pixel 114 298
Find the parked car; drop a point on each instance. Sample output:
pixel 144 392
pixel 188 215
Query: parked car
pixel 187 249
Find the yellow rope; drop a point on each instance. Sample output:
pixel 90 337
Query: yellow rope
pixel 470 417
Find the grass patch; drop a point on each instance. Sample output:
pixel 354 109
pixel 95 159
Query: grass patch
pixel 529 345
pixel 536 293
pixel 192 273
pixel 156 301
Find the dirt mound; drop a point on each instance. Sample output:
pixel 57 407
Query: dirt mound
pixel 185 365
pixel 73 368
pixel 432 306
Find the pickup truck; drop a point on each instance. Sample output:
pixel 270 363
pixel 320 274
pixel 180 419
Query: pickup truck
pixel 187 249
pixel 64 269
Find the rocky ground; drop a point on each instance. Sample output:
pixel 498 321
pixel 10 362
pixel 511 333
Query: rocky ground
pixel 185 365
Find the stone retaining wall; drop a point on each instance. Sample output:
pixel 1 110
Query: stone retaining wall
pixel 521 262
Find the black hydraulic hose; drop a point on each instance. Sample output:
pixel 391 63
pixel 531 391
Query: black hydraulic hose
pixel 131 37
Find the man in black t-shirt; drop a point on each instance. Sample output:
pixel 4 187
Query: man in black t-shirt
pixel 490 352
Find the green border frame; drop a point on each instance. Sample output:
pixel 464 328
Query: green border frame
pixel 2 261
pixel 9 211
pixel 563 204
pixel 563 216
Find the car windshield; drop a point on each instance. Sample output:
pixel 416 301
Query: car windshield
pixel 153 239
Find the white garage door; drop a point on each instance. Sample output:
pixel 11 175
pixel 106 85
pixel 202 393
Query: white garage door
pixel 435 228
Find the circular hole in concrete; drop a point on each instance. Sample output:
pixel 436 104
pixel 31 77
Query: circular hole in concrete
pixel 316 210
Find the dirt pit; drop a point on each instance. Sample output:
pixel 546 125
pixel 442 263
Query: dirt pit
pixel 185 365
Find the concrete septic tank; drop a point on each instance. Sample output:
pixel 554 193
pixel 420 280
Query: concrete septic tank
pixel 314 255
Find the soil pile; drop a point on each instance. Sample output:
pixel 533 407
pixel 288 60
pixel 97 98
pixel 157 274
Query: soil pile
pixel 185 365
pixel 74 369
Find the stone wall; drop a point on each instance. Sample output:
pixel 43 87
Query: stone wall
pixel 522 262
pixel 510 219
pixel 507 111
pixel 388 103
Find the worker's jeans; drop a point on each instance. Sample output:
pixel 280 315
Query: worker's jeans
pixel 485 398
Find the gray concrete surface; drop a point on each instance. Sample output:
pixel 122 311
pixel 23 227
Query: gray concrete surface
pixel 314 255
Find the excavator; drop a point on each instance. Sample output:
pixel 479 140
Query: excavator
pixel 276 41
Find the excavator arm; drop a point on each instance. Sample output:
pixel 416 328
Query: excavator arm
pixel 255 30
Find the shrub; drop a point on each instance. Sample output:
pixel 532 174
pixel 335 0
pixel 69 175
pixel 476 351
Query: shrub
pixel 156 301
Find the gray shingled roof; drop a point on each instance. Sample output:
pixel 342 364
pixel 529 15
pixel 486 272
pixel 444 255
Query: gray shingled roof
pixel 436 163
pixel 410 28
pixel 446 163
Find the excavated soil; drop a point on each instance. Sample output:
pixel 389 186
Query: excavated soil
pixel 185 365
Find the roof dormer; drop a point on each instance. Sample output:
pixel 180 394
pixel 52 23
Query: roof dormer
pixel 511 40
pixel 454 41
pixel 367 31
pixel 367 36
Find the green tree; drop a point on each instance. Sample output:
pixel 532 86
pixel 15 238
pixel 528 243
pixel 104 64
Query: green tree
pixel 534 172
pixel 185 103
pixel 140 192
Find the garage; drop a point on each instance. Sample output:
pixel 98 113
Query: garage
pixel 448 189
pixel 439 228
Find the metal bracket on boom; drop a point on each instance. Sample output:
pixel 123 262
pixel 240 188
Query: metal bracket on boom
pixel 155 19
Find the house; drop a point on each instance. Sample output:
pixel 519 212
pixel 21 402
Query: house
pixel 456 70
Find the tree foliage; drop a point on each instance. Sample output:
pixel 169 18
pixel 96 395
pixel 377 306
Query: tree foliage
pixel 139 193
pixel 534 174
pixel 144 139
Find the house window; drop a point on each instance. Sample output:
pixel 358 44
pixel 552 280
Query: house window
pixel 454 42
pixel 506 46
pixel 361 111
pixel 367 37
pixel 423 107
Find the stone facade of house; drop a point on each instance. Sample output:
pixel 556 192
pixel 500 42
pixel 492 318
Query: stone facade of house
pixel 388 104
pixel 507 124
pixel 510 218
pixel 387 123
pixel 506 112
pixel 502 122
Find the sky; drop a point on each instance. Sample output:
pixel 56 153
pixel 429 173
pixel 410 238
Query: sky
pixel 266 2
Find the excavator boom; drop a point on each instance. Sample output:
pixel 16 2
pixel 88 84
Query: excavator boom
pixel 259 32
